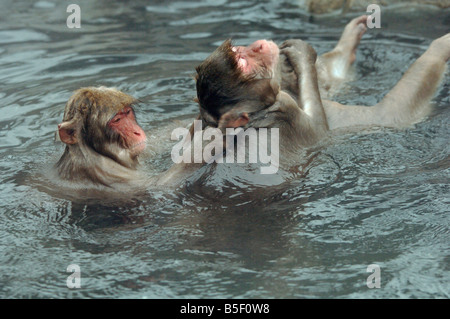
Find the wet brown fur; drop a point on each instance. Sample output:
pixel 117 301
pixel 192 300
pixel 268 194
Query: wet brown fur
pixel 95 157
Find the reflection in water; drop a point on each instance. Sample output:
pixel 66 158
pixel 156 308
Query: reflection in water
pixel 361 199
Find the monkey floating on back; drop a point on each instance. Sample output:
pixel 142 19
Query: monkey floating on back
pixel 285 86
pixel 268 86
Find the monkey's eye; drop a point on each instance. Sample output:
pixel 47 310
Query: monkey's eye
pixel 116 120
pixel 127 111
pixel 258 49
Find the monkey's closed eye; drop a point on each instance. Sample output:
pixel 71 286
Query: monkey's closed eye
pixel 258 49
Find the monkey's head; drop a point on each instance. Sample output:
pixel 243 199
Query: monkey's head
pixel 237 78
pixel 103 120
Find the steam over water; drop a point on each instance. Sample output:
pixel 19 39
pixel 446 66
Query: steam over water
pixel 380 198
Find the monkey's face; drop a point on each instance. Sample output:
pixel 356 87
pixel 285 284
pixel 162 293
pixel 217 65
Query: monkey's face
pixel 102 119
pixel 233 76
pixel 114 134
pixel 258 59
pixel 131 135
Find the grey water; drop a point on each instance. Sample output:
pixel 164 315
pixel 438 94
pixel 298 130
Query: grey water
pixel 379 197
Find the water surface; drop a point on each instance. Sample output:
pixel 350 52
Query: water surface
pixel 379 198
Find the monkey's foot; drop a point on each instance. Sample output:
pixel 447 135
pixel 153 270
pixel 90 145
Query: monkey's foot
pixel 440 48
pixel 350 39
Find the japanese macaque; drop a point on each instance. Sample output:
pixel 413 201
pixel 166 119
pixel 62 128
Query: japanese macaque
pixel 264 85
pixel 268 86
pixel 103 139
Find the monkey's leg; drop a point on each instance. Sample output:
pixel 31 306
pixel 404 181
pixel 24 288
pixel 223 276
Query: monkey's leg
pixel 413 92
pixel 333 66
pixel 407 102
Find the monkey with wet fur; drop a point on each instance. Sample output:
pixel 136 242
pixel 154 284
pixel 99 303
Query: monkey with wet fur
pixel 264 85
pixel 103 139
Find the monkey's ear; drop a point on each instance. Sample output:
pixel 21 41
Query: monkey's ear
pixel 233 119
pixel 67 133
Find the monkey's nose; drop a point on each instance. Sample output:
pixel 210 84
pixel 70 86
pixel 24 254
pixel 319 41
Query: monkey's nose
pixel 137 133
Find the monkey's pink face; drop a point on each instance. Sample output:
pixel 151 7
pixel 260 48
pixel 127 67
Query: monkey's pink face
pixel 260 56
pixel 132 134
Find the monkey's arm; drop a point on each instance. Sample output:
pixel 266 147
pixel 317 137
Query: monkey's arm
pixel 302 58
pixel 296 127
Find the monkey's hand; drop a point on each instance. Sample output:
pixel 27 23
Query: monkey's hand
pixel 300 61
pixel 307 52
